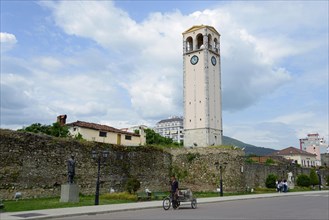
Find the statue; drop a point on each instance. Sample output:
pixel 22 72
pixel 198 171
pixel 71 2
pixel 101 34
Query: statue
pixel 71 169
pixel 289 177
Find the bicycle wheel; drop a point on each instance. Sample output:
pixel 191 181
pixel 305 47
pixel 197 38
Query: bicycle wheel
pixel 193 204
pixel 166 203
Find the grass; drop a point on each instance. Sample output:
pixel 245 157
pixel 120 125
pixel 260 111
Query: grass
pixel 53 202
pixel 115 198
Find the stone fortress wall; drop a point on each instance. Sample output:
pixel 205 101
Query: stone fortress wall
pixel 36 166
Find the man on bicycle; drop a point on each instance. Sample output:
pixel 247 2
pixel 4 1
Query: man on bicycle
pixel 174 188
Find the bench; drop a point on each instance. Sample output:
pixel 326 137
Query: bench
pixel 143 196
pixel 160 195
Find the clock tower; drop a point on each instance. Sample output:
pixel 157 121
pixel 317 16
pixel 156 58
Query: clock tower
pixel 202 87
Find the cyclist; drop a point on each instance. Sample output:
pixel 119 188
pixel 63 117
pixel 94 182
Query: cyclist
pixel 174 189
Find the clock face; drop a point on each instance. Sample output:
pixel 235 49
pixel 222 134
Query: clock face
pixel 213 60
pixel 194 59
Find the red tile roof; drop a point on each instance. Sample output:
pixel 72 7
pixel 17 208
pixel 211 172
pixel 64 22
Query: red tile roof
pixel 292 151
pixel 99 127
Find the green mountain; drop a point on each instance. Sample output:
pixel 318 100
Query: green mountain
pixel 248 148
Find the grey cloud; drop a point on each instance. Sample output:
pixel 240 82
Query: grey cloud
pixel 13 97
pixel 246 78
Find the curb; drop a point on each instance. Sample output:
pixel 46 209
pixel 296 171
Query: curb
pixel 103 209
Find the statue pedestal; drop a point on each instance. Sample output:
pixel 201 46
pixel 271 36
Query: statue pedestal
pixel 69 193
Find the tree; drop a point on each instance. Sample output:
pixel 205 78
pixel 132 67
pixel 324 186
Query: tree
pixel 314 179
pixel 54 130
pixel 37 128
pixel 270 181
pixel 58 130
pixel 154 138
pixel 303 180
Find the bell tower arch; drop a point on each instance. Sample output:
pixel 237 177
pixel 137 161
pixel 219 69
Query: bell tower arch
pixel 202 87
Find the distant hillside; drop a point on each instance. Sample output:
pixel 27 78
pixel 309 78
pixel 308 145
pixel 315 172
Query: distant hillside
pixel 249 149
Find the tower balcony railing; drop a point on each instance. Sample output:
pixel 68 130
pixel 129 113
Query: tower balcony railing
pixel 215 50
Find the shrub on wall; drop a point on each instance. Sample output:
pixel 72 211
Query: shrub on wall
pixel 269 161
pixel 192 156
pixel 132 185
pixel 249 160
pixel 303 180
pixel 180 173
pixel 270 181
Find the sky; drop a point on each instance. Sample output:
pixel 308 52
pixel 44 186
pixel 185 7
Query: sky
pixel 120 63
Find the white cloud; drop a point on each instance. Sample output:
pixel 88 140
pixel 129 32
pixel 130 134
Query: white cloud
pixel 132 71
pixel 7 40
pixel 156 43
pixel 48 63
pixel 293 118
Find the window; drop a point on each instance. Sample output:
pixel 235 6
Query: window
pixel 189 44
pixel 127 137
pixel 209 41
pixel 216 46
pixel 200 41
pixel 102 134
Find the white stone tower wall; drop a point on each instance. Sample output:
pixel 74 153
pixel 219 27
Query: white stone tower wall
pixel 202 90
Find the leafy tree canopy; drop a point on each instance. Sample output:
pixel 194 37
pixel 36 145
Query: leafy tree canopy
pixel 154 138
pixel 55 129
pixel 314 179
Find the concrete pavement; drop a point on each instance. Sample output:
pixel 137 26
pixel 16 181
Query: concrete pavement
pixel 85 210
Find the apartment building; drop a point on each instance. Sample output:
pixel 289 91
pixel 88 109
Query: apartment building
pixel 172 127
pixel 313 144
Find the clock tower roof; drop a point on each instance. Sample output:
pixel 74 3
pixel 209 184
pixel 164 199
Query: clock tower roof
pixel 198 27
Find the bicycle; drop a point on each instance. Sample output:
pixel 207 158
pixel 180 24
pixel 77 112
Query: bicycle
pixel 184 195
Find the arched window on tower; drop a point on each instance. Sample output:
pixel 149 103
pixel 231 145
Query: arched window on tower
pixel 209 42
pixel 216 45
pixel 189 44
pixel 199 39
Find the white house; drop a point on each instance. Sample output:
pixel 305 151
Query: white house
pixel 106 134
pixel 305 159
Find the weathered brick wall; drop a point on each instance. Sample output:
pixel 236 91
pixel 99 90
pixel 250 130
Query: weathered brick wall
pixel 196 166
pixel 256 174
pixel 36 165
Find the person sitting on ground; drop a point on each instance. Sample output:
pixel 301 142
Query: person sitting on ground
pixel 285 186
pixel 279 186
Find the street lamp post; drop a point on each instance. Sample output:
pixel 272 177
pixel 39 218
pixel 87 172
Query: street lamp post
pixel 319 176
pixel 220 167
pixel 99 156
